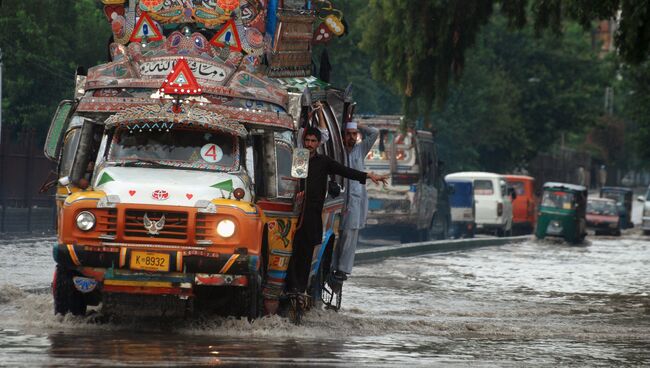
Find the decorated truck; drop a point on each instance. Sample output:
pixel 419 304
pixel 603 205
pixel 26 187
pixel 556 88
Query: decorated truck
pixel 415 204
pixel 174 186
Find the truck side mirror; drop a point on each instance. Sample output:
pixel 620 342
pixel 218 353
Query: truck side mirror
pixel 65 181
pixel 640 198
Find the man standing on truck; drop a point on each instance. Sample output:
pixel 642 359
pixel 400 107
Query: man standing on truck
pixel 354 218
pixel 310 229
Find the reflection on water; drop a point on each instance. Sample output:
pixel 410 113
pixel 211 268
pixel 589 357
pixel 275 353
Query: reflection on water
pixel 535 303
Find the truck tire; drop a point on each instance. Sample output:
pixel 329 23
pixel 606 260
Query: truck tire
pixel 67 299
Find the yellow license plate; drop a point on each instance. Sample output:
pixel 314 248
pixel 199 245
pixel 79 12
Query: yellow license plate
pixel 149 261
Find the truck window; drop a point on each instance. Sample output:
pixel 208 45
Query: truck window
pixel 70 144
pixel 483 187
pixel 283 154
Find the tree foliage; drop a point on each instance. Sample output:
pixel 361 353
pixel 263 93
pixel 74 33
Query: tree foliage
pixel 42 45
pixel 518 95
pixel 352 65
pixel 634 98
pixel 417 46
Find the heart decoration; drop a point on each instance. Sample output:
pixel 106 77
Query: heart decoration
pixel 189 195
pixel 131 192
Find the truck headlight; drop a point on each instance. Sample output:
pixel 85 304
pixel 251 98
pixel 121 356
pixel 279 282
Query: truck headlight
pixel 225 228
pixel 85 221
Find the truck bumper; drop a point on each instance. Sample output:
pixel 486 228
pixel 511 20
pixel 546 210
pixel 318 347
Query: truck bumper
pixel 109 267
pixel 386 219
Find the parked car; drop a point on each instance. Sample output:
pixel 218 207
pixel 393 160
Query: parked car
pixel 492 201
pixel 645 219
pixel 415 202
pixel 461 202
pixel 623 198
pixel 524 206
pixel 602 216
pixel 562 212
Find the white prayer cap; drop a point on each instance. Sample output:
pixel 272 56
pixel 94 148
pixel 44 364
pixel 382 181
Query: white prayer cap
pixel 351 125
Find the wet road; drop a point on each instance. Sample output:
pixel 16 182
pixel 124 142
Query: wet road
pixel 541 303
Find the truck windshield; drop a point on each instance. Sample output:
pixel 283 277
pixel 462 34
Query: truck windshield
pixel 381 150
pixel 183 148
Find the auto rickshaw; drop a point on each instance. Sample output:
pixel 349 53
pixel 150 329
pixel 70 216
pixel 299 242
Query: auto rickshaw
pixel 562 212
pixel 623 198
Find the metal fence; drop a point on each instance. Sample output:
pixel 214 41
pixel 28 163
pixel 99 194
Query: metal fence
pixel 579 167
pixel 563 165
pixel 23 169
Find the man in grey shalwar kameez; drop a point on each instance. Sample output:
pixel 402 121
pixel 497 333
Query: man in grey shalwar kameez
pixel 354 218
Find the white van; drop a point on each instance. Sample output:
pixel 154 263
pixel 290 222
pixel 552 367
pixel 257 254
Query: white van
pixel 492 199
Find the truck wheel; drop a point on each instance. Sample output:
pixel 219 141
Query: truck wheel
pixel 67 299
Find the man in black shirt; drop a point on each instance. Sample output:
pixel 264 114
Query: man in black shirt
pixel 314 190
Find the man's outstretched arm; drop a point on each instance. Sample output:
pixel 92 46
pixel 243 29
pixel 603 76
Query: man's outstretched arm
pixel 334 167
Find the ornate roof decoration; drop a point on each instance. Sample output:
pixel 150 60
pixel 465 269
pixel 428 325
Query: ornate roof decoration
pixel 190 116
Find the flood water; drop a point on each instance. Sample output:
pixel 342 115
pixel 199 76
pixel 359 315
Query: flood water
pixel 533 303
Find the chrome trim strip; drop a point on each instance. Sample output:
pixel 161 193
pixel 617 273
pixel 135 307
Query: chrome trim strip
pixel 280 214
pixel 80 199
pixel 164 246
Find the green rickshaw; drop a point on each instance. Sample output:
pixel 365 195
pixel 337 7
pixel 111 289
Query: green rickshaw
pixel 562 212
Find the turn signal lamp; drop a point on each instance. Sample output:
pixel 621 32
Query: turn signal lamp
pixel 239 193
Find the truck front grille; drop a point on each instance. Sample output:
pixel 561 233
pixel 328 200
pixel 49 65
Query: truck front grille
pixel 175 225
